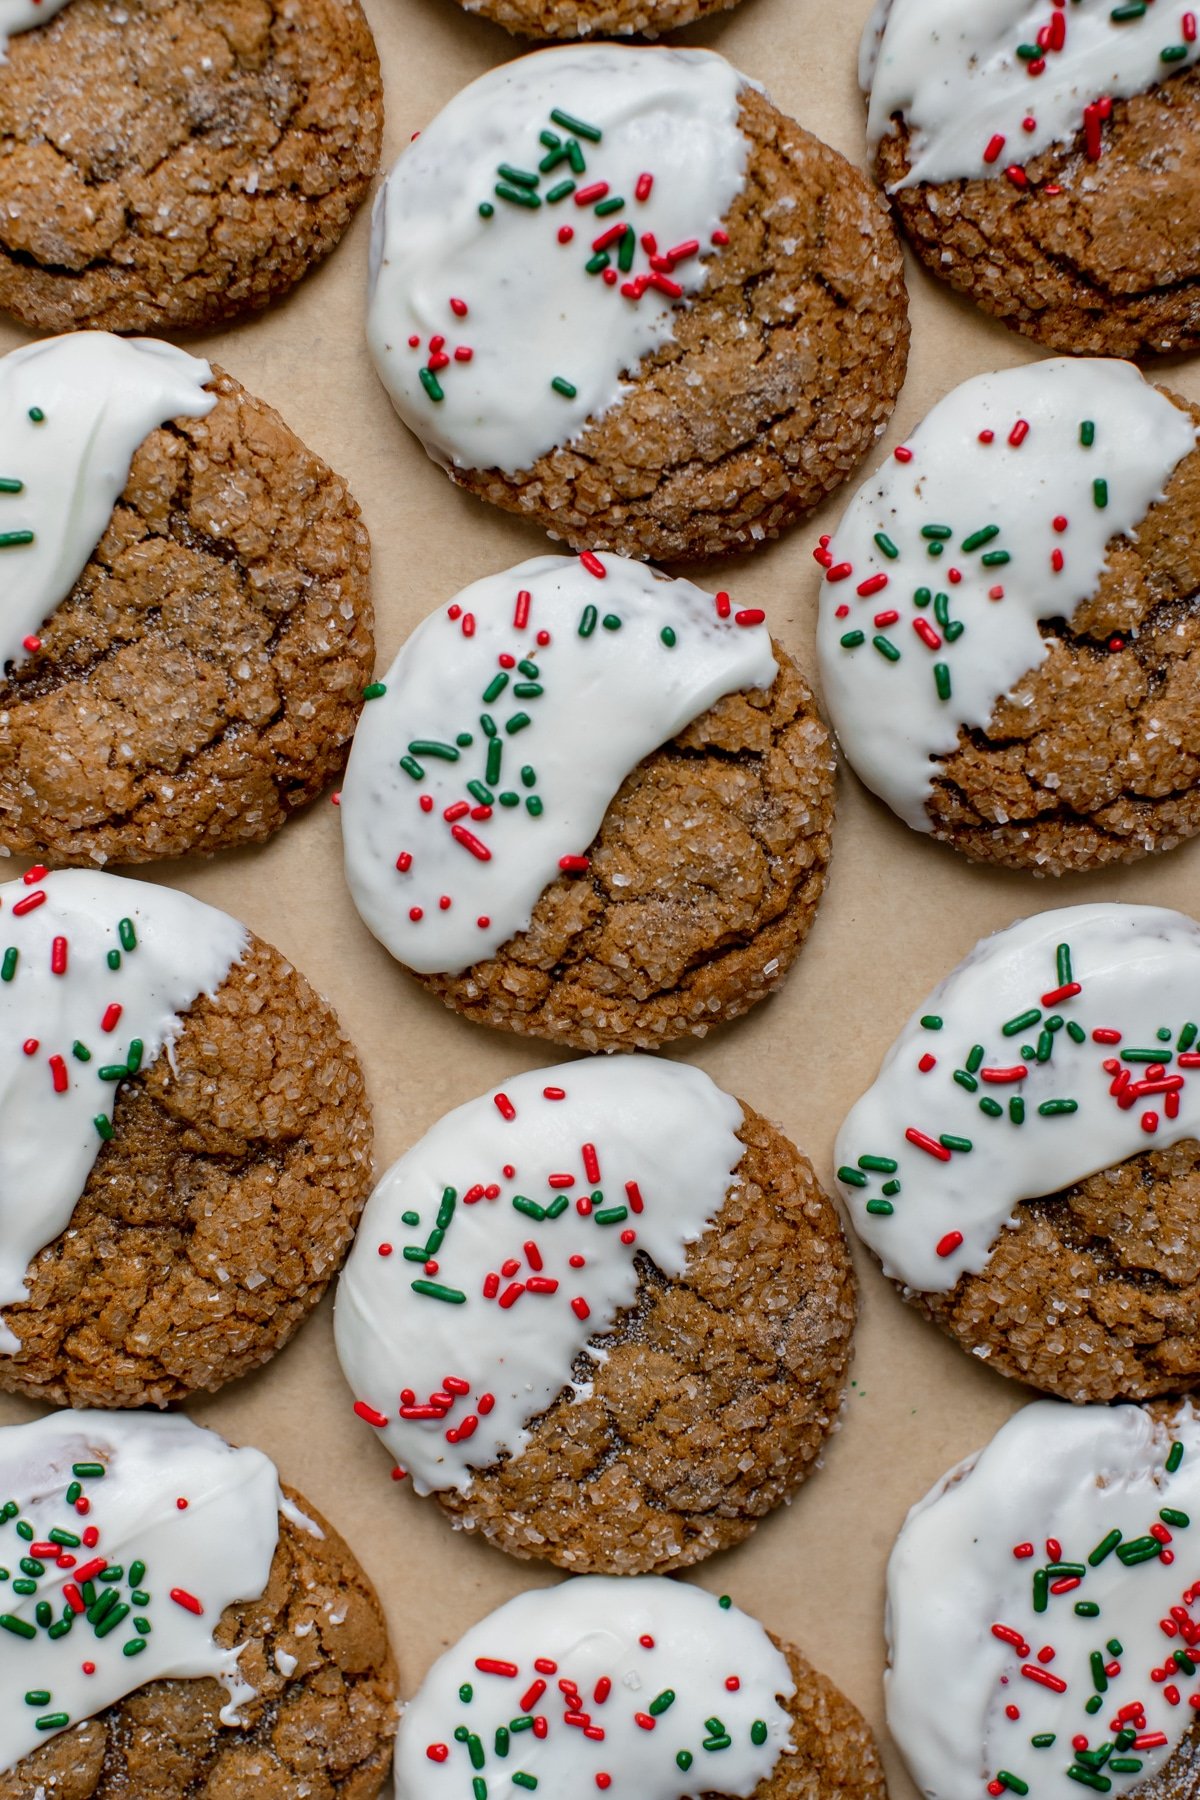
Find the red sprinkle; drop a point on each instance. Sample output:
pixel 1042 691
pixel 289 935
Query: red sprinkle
pixel 928 1144
pixel 580 1308
pixel 995 146
pixel 593 565
pixel 1031 1672
pixel 365 1412
pixel 487 1665
pixel 504 1106
pixel 839 572
pixel 874 584
pixel 926 1063
pixel 641 192
pixel 634 1196
pixel 1066 992
pixel 58 956
pixel 722 605
pixel 58 1070
pixel 1019 433
pixel 29 902
pixel 574 865
pixel 586 196
pixel 189 1602
pixel 438 1752
pixel 749 615
pixel 950 1243
pixel 902 453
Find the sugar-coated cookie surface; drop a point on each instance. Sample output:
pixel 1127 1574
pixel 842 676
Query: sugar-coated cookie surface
pixel 179 1523
pixel 466 793
pixel 998 514
pixel 1055 1049
pixel 593 18
pixel 1048 1581
pixel 983 89
pixel 659 1136
pixel 684 1693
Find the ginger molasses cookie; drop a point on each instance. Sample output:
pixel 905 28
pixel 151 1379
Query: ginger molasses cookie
pixel 1025 1166
pixel 1043 1611
pixel 1009 629
pixel 185 1143
pixel 603 1314
pixel 1044 159
pixel 594 18
pixel 646 1688
pixel 591 804
pixel 173 163
pixel 175 1622
pixel 614 290
pixel 187 621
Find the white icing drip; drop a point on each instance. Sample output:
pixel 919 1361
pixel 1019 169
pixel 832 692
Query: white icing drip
pixel 49 1140
pixel 23 15
pixel 661 1125
pixel 888 715
pixel 1072 1475
pixel 534 313
pixel 591 1628
pixel 609 699
pixel 1137 967
pixel 953 71
pixel 217 1550
pixel 101 396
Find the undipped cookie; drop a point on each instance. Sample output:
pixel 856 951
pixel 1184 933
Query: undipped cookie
pixel 185 1143
pixel 173 163
pixel 1009 630
pixel 1044 1613
pixel 1044 159
pixel 187 611
pixel 180 1623
pixel 636 1688
pixel 591 804
pixel 603 1314
pixel 1025 1166
pixel 614 290
pixel 594 18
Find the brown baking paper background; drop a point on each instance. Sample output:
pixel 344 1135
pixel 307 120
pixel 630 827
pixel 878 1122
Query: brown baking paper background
pixel 899 911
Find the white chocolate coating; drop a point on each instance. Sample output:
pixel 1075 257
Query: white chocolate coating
pixel 24 15
pixel 954 72
pixel 532 1290
pixel 1039 501
pixel 1111 1096
pixel 99 396
pixel 592 1629
pixel 1054 1482
pixel 531 313
pixel 606 690
pixel 212 1551
pixel 49 1138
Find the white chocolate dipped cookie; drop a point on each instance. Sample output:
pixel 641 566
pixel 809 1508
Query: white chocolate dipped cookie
pixel 539 1322
pixel 559 277
pixel 1024 1165
pixel 184 1142
pixel 188 622
pixel 1009 634
pixel 510 809
pixel 1047 1581
pixel 160 1590
pixel 643 1689
pixel 1042 156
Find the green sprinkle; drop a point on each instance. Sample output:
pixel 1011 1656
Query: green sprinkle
pixel 1041 1590
pixel 626 250
pixel 1050 1108
pixel 1187 1037
pixel 567 389
pixel 127 934
pixel 518 722
pixel 1125 1765
pixel 884 1165
pixel 557 1206
pixel 758 1732
pixel 941 609
pixel 1087 1609
pixel 587 622
pixel 596 265
pixel 38 1697
pixel 1132 9
pixel 374 690
pixel 133 1061
pixel 486 209
pixel 976 541
pixel 613 204
pixel 528 776
pixel 1021 1022
pixel 1087 433
pixel 955 1143
pixel 484 795
pixel 522 177
pixel 31 1566
pixel 560 190
pixel 1104 1548
pixel 37 415
pixel 966 1080
pixel 941 676
pixel 500 1742
pixel 922 596
pixel 80 1052
pixel 1146 1056
pixel 1100 493
pixel 717 1743
pixel 112 1072
pixel 134 1647
pixel 936 532
pixel 67 1538
pixel 431 384
pixel 524 1723
pixel 852 1177
pixel 611 1215
pixel 852 639
pixel 1076 1032
pixel 73 1492
pixel 416 1253
pixel 519 196
pixel 575 156
pixel 12 540
pixel 886 648
pixel 667 634
pixel 661 1703
pixel 891 1187
pixel 113 959
pixel 883 1208
pixel 1044 1739
pixel 436 1291
pixel 1174 1458
pixel 8 967
pixel 1099 1678
pixel 18 1627
pixel 611 622
pixel 433 747
pixel 24 1586
pixel 104 1126
pixel 521 1780
pixel 1173 53
pixel 1183 1661
pixel 1170 1515
pixel 9 486
pixel 533 806
pixel 684 1759
pixel 410 1218
pixel 495 753
pixel 580 127
pixel 975 1058
pixel 530 1208
pixel 1012 1781
pixel 886 545
pixel 53 1721
pixel 25 1530
pixel 931 1022
pixel 991 1107
pixel 995 559
pixel 1138 1550
pixel 1094 1704
pixel 495 687
pixel 475 1749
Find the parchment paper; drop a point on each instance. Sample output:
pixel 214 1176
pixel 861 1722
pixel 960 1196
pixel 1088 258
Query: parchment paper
pixel 898 913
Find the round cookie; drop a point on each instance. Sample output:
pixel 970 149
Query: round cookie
pixel 1044 160
pixel 1009 620
pixel 594 18
pixel 1049 1581
pixel 185 1143
pixel 187 605
pixel 191 1625
pixel 677 1687
pixel 541 890
pixel 232 146
pixel 615 291
pixel 626 1334
pixel 1025 1165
